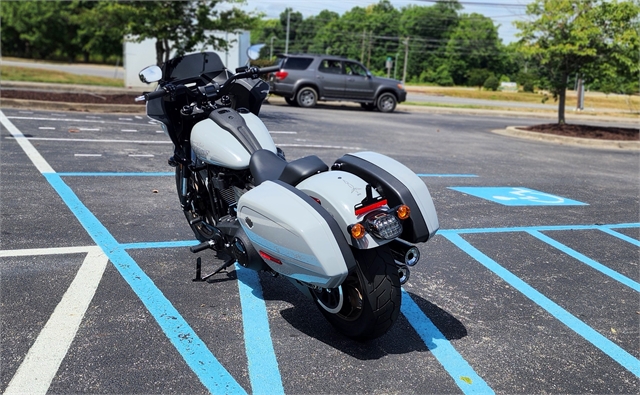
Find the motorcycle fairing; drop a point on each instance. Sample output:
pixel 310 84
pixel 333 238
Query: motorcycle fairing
pixel 399 185
pixel 298 236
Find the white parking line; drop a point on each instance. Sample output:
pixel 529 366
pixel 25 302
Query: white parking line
pixel 42 362
pixel 46 251
pixel 141 155
pixel 81 155
pixel 46 128
pixel 129 130
pixel 95 140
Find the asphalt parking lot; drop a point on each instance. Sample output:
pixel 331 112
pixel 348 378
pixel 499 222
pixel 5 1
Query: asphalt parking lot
pixel 530 286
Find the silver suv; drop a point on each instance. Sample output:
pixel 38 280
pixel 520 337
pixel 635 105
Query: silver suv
pixel 305 79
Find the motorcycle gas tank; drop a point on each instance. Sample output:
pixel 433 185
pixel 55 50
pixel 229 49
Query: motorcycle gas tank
pixel 228 138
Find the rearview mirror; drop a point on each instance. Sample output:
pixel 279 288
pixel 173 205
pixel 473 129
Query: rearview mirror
pixel 150 74
pixel 253 52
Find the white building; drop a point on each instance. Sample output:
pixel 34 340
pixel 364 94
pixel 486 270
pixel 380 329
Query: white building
pixel 140 55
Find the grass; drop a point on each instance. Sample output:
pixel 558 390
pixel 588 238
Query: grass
pixel 593 100
pixel 29 74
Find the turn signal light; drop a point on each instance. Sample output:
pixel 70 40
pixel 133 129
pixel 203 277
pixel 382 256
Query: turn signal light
pixel 357 231
pixel 403 212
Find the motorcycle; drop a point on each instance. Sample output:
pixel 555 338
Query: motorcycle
pixel 344 235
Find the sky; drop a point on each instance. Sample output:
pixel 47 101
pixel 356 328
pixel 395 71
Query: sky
pixel 502 12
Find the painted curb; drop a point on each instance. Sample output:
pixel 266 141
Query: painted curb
pixel 514 131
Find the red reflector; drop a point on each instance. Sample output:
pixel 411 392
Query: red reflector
pixel 268 257
pixel 372 206
pixel 280 75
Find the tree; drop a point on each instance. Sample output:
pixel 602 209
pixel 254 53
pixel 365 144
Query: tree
pixel 429 29
pixel 474 44
pixel 590 38
pixel 41 29
pixel 181 26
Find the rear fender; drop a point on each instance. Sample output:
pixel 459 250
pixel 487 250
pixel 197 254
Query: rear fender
pixel 339 192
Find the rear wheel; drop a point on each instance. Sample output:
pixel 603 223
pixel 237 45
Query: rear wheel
pixel 196 205
pixel 307 97
pixel 367 303
pixel 368 106
pixel 291 101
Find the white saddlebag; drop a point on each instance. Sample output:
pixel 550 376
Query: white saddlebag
pixel 295 235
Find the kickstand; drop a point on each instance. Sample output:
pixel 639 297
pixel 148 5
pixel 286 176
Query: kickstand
pixel 199 277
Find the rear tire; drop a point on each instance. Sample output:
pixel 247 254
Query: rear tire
pixel 367 303
pixel 307 97
pixel 291 101
pixel 368 106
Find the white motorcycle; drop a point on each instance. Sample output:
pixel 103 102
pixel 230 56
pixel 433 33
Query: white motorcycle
pixel 343 235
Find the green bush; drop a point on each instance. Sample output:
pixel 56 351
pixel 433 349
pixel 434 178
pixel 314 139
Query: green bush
pixel 491 83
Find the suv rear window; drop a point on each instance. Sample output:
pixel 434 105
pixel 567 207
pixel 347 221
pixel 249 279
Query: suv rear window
pixel 297 63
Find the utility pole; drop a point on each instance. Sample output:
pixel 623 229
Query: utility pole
pixel 286 45
pixel 362 55
pixel 369 55
pixel 271 50
pixel 406 59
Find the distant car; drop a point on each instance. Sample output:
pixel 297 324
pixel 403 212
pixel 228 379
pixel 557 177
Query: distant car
pixel 305 79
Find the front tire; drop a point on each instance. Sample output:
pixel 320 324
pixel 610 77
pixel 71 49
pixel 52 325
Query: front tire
pixel 367 303
pixel 196 204
pixel 386 102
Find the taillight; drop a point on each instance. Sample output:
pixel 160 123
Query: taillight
pixel 280 75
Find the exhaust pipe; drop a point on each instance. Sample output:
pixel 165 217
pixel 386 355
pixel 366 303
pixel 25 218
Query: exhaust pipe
pixel 405 253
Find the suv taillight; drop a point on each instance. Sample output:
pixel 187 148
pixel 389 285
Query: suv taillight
pixel 280 75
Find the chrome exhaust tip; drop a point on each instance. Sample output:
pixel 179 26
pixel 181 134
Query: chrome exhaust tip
pixel 404 253
pixel 412 256
pixel 403 273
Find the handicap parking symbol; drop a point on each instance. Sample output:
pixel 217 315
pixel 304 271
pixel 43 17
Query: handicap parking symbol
pixel 517 196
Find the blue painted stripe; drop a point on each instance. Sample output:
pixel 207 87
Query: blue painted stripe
pixel 115 174
pixel 458 368
pixel 538 228
pixel 586 260
pixel 263 366
pixel 625 225
pixel 159 244
pixel 195 353
pixel 614 351
pixel 619 235
pixel 446 175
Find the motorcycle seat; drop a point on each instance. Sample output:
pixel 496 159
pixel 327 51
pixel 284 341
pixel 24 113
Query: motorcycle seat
pixel 267 166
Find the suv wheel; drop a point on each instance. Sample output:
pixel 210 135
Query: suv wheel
pixel 291 101
pixel 307 97
pixel 368 106
pixel 386 102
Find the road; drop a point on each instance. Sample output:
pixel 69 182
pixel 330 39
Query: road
pixel 530 286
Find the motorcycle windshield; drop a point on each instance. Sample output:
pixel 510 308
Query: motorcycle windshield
pixel 192 65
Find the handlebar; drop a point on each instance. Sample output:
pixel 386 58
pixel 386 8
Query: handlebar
pixel 214 90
